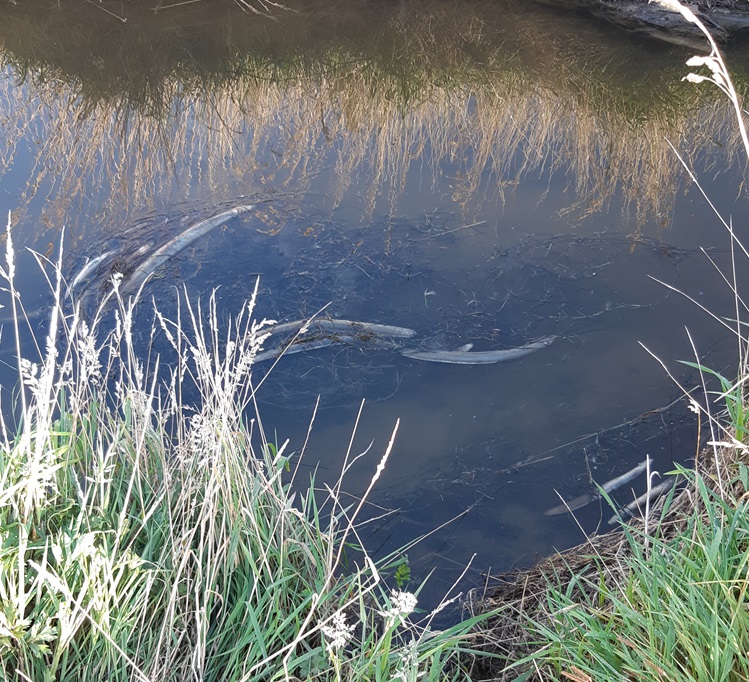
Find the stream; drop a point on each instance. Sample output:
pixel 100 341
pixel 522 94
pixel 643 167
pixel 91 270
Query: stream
pixel 494 174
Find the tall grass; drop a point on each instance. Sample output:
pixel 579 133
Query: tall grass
pixel 148 536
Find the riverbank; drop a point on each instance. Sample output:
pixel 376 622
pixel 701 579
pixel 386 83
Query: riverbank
pixel 728 19
pixel 150 537
pixel 660 598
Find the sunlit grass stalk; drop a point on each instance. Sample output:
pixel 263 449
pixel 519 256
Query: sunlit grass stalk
pixel 732 392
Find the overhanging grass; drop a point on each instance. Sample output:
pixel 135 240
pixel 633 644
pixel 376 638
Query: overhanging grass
pixel 145 538
pixel 679 614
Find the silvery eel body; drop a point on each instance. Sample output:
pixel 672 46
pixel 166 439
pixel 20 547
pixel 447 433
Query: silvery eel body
pixel 88 269
pixel 352 338
pixel 345 326
pixel 639 505
pixel 587 498
pixel 177 244
pixel 489 357
pixel 304 345
pixel 627 476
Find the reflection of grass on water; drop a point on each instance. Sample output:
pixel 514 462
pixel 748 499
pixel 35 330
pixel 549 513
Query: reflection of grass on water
pixel 158 115
pixel 145 538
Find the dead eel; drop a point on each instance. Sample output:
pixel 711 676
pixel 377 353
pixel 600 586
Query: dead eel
pixel 177 244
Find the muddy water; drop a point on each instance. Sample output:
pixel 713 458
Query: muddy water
pixel 478 176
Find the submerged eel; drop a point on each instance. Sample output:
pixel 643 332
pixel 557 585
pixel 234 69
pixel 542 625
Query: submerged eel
pixel 489 357
pixel 333 332
pixel 607 487
pixel 639 505
pixel 304 345
pixel 177 244
pixel 350 332
pixel 88 269
pixel 345 326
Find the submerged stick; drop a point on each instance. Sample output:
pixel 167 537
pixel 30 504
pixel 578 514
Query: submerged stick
pixel 587 498
pixel 489 357
pixel 177 244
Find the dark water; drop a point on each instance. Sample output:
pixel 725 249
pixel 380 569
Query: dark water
pixel 479 176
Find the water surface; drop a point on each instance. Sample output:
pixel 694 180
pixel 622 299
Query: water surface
pixel 481 176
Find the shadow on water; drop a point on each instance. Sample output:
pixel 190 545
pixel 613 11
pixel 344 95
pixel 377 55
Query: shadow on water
pixel 479 176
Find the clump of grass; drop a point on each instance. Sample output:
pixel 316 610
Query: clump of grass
pixel 677 613
pixel 143 537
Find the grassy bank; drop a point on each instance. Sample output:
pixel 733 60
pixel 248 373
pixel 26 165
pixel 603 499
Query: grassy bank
pixel 664 598
pixel 664 601
pixel 146 535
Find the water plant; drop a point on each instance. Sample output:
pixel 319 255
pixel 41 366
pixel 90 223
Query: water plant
pixel 149 530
